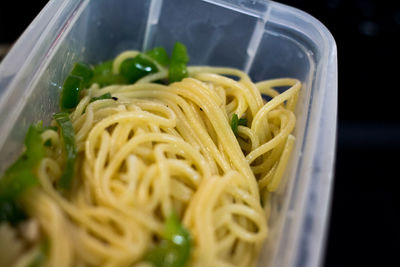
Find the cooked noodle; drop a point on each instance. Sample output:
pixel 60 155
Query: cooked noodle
pixel 155 149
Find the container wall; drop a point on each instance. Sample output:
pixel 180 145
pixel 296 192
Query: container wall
pixel 31 74
pixel 263 38
pixel 214 35
pixel 114 26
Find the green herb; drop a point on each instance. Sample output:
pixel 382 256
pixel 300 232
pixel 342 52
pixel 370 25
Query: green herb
pixel 160 55
pixel 132 69
pixel 235 122
pixel 70 92
pixel 174 248
pixel 84 71
pixel 177 72
pixel 177 68
pixel 104 76
pixel 243 122
pixel 79 79
pixel 20 176
pixel 104 96
pixel 68 137
pixel 179 53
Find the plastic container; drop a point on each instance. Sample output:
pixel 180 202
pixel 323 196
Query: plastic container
pixel 264 38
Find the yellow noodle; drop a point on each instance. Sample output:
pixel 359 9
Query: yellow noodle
pixel 159 149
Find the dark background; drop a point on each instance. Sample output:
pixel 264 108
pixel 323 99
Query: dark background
pixel 364 225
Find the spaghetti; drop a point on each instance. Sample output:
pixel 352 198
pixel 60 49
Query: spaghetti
pixel 155 149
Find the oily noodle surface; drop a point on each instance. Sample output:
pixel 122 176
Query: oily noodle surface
pixel 155 149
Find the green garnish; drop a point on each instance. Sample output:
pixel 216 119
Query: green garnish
pixel 70 92
pixel 235 122
pixel 103 75
pixel 84 71
pixel 174 248
pixel 132 69
pixel 177 68
pixel 159 54
pixel 79 79
pixel 20 176
pixel 104 96
pixel 68 137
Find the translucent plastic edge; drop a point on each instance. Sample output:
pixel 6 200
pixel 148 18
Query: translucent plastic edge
pixel 22 48
pixel 18 58
pixel 309 227
pixel 240 6
pixel 328 135
pixel 326 81
pixel 34 45
pixel 302 22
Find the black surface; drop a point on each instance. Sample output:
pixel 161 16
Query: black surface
pixel 364 225
pixel 15 16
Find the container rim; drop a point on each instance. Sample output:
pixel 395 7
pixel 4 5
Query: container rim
pixel 316 201
pixel 309 230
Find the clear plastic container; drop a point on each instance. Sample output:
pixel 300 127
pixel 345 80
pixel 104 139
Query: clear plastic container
pixel 264 38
